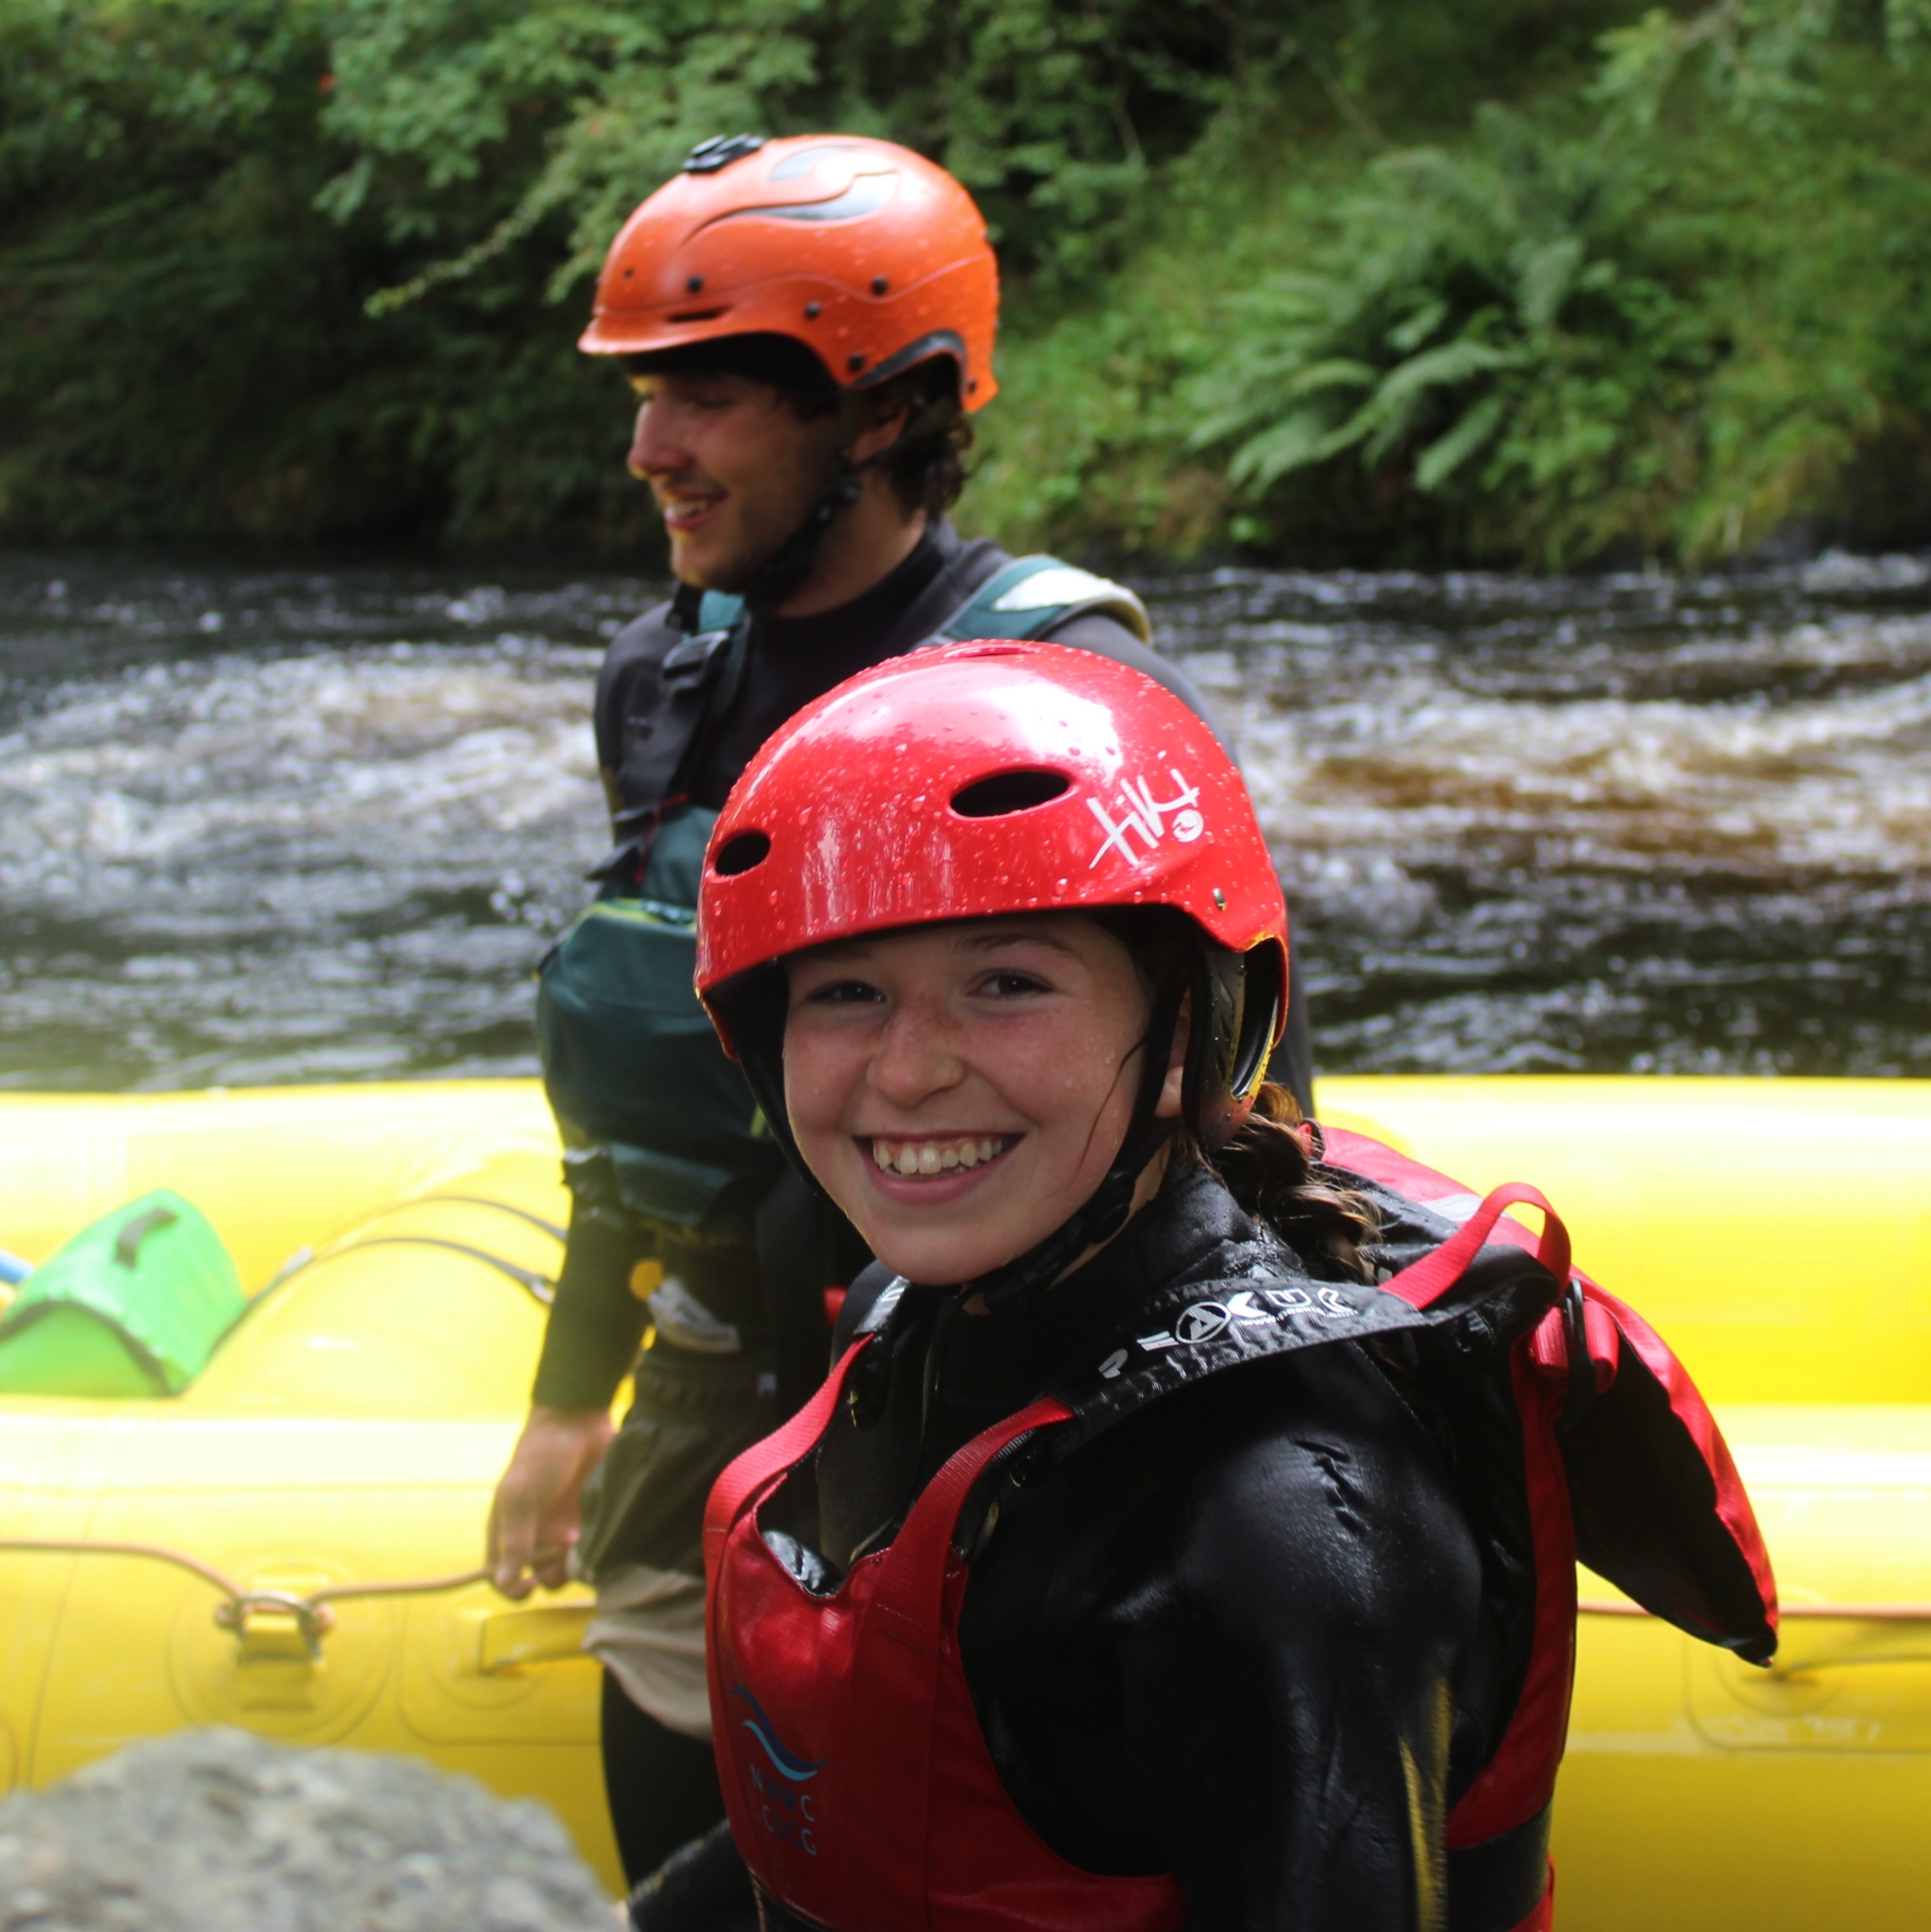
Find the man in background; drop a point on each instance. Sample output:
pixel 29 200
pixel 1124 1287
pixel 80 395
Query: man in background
pixel 809 324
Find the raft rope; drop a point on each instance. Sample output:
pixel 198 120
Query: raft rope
pixel 315 1604
pixel 314 1618
pixel 1788 1613
pixel 540 1286
pixel 549 1228
pixel 311 1613
pixel 1844 1613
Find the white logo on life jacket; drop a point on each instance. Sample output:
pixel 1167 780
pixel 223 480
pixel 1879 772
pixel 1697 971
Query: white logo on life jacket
pixel 1201 1322
pixel 1205 1320
pixel 1146 817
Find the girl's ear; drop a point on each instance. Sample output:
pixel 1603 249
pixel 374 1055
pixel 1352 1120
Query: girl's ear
pixel 1168 1106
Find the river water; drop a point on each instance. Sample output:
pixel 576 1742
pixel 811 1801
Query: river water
pixel 319 825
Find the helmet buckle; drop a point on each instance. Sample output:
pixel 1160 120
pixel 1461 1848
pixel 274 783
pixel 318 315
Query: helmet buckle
pixel 720 151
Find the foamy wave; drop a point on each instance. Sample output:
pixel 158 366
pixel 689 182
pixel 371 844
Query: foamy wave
pixel 390 752
pixel 1417 762
pixel 1623 821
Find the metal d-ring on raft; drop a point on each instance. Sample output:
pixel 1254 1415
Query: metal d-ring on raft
pixel 311 1613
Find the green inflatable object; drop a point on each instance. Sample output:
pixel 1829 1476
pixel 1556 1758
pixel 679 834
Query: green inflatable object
pixel 133 1305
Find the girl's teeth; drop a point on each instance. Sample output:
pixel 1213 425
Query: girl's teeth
pixel 932 1159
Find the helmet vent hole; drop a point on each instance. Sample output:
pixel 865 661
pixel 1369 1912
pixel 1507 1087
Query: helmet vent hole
pixel 1005 793
pixel 741 854
pixel 697 315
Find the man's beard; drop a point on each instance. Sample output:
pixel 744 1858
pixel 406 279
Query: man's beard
pixel 765 574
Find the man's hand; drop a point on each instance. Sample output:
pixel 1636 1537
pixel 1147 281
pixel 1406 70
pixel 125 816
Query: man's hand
pixel 535 1519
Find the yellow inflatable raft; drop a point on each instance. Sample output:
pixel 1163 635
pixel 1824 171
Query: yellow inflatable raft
pixel 348 1434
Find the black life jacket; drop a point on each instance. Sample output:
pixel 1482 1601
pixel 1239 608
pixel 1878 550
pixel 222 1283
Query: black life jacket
pixel 629 1059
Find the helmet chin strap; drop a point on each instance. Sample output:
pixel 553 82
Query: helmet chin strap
pixel 788 566
pixel 790 563
pixel 1106 1211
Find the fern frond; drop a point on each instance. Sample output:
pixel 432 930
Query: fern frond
pixel 1299 444
pixel 1476 430
pixel 1545 275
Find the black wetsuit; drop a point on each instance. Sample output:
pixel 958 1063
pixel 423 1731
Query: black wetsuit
pixel 763 1280
pixel 1247 1635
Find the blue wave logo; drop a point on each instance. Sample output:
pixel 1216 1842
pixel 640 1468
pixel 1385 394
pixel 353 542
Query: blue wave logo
pixel 786 1763
pixel 867 194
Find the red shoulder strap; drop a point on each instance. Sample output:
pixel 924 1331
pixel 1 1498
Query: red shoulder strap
pixel 768 1459
pixel 1437 1271
pixel 912 1584
pixel 895 1667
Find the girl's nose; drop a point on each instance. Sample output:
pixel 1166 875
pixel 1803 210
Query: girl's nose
pixel 916 1057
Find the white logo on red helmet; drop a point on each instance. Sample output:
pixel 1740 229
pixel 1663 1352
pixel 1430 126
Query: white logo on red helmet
pixel 1149 819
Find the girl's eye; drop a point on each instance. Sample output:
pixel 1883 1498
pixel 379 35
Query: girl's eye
pixel 1008 984
pixel 842 992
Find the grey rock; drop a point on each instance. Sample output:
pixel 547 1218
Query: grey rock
pixel 217 1831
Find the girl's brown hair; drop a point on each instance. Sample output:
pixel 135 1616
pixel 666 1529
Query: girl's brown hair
pixel 1268 1171
pixel 1266 1166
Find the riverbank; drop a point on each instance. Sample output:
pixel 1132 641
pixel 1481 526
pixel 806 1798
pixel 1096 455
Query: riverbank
pixel 1520 283
pixel 1555 339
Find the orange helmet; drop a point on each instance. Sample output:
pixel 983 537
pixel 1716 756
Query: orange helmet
pixel 871 256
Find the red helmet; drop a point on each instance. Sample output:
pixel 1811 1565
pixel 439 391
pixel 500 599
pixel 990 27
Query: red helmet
pixel 869 254
pixel 979 779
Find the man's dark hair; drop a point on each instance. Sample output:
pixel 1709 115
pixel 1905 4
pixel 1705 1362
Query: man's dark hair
pixel 926 467
pixel 927 464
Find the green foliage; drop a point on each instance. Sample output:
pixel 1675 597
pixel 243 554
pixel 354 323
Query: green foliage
pixel 307 269
pixel 1757 57
pixel 1053 115
pixel 1672 323
pixel 1490 330
pixel 295 269
pixel 183 345
pixel 1815 246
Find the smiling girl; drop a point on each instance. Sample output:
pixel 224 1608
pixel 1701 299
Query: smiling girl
pixel 1184 1537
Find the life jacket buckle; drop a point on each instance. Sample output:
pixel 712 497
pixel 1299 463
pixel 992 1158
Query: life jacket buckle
pixel 1582 1384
